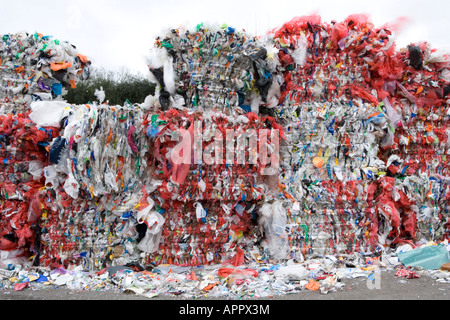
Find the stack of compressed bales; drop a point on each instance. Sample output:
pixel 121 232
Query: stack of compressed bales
pixel 34 69
pixel 320 138
pixel 348 98
pixel 213 81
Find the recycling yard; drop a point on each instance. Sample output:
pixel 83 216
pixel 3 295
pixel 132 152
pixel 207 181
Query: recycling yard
pixel 308 163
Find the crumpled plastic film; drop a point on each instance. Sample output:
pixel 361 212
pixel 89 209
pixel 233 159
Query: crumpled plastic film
pixel 190 239
pixel 36 67
pixel 416 155
pixel 212 202
pixel 330 171
pixel 111 196
pixel 78 232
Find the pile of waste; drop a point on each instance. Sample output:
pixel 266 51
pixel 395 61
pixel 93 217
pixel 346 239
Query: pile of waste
pixel 261 166
pixel 111 194
pixel 323 274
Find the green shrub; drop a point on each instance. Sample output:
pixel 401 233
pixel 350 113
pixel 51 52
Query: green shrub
pixel 119 87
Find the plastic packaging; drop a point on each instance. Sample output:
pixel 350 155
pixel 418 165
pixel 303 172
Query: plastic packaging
pixel 427 257
pixel 48 113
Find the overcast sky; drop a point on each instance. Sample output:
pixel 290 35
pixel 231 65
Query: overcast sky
pixel 118 34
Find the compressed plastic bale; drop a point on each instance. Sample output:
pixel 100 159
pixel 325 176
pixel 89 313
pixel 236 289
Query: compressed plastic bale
pixel 37 67
pixel 78 190
pixel 215 238
pixel 209 173
pixel 78 233
pixel 180 58
pixel 376 77
pixel 331 158
pixel 21 180
pixel 194 89
pixel 34 68
pixel 100 151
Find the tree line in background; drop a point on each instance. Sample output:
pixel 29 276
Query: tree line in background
pixel 118 87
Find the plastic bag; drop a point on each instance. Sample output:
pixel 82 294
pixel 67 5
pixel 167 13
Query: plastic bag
pixel 48 113
pixel 273 220
pixel 35 168
pixel 155 223
pixel 427 257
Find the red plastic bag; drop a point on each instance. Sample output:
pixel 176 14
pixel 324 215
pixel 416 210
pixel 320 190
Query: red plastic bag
pixel 238 259
pixel 225 272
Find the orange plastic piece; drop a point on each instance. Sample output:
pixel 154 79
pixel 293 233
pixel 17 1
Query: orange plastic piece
pixel 59 66
pixel 193 276
pixel 318 162
pixel 20 69
pixel 445 266
pixel 83 58
pixel 312 285
pixel 210 286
